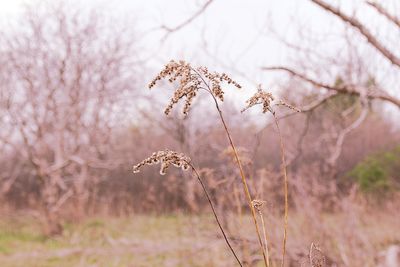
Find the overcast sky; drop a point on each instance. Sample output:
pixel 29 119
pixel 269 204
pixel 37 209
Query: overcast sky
pixel 231 35
pixel 231 32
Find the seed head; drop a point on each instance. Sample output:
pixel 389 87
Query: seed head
pixel 266 100
pixel 190 81
pixel 261 97
pixel 166 158
pixel 257 204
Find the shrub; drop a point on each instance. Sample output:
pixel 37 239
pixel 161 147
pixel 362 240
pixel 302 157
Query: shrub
pixel 378 173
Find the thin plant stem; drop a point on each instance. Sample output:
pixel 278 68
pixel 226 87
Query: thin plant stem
pixel 244 181
pixel 215 214
pixel 284 171
pixel 239 164
pixel 265 236
pixel 242 175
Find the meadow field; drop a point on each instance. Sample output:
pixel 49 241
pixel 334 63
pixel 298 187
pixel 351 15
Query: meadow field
pixel 207 133
pixel 189 240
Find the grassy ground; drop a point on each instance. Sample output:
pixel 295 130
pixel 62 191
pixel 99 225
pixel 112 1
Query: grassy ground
pixel 138 241
pixel 181 240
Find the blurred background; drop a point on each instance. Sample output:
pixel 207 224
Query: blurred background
pixel 76 114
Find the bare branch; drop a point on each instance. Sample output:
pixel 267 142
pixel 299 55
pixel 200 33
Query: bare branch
pixel 342 135
pixel 170 30
pixel 310 107
pixel 355 23
pixel 384 12
pixel 299 146
pixel 347 89
pixel 62 200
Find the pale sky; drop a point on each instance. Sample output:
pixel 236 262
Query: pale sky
pixel 232 35
pixel 233 31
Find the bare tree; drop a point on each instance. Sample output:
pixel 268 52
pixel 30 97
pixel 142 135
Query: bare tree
pixel 361 67
pixel 68 71
pixel 379 47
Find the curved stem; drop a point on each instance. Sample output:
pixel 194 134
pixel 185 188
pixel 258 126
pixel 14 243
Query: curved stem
pixel 244 181
pixel 242 175
pixel 283 161
pixel 215 214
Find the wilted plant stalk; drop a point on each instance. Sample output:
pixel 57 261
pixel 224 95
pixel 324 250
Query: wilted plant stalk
pixel 242 175
pixel 179 160
pixel 265 99
pixel 190 82
pixel 215 214
pixel 284 171
pixel 258 206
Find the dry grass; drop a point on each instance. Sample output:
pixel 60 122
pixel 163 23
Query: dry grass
pixel 333 242
pixel 193 240
pixel 179 160
pixel 190 82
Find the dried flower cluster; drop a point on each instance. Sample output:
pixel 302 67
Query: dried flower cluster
pixel 265 98
pixel 261 97
pixel 166 158
pixel 257 204
pixel 190 81
pixel 215 79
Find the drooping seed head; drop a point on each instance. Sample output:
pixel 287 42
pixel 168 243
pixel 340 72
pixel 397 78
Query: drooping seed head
pixel 166 158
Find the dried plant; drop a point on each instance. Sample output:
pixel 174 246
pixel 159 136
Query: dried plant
pixel 180 160
pixel 266 99
pixel 260 98
pixel 191 80
pixel 317 258
pixel 166 157
pixel 258 205
pixel 243 153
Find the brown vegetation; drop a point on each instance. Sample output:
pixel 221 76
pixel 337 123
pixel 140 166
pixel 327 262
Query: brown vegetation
pixel 313 182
